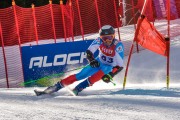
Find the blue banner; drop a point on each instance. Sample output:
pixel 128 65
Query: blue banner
pixel 44 60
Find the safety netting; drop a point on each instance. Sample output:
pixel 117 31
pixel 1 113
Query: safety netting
pixel 77 20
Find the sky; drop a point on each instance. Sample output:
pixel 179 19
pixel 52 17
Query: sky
pixel 144 98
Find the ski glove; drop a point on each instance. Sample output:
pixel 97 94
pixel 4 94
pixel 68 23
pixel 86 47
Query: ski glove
pixel 107 78
pixel 89 55
pixel 93 62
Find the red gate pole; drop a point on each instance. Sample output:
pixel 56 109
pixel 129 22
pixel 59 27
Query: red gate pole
pixel 35 24
pixel 4 56
pixel 63 20
pixel 79 14
pixel 137 48
pixel 71 15
pixel 97 12
pixel 127 66
pixel 52 18
pixel 117 22
pixel 129 58
pixel 168 42
pixel 168 60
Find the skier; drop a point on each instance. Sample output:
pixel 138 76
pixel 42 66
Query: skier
pixel 108 63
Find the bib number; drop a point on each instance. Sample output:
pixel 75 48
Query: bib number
pixel 107 59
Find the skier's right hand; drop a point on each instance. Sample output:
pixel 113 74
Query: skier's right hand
pixel 107 77
pixel 94 63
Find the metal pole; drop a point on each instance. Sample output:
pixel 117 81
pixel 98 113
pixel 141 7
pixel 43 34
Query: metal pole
pixel 4 56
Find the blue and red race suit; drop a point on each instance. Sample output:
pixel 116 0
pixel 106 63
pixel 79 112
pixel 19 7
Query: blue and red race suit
pixel 109 57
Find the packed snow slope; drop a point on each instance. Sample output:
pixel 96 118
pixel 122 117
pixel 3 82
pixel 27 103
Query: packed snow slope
pixel 145 96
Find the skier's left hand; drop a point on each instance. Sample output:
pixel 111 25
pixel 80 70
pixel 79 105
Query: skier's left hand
pixel 107 78
pixel 94 63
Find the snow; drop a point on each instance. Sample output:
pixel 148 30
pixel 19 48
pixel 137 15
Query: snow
pixel 145 97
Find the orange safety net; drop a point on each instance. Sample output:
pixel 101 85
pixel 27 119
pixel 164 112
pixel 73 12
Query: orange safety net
pixel 107 12
pixel 178 6
pixel 58 21
pixel 25 24
pixel 66 10
pixel 44 23
pixel 36 23
pixel 8 26
pixel 87 14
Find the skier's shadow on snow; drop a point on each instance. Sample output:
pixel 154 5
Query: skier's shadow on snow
pixel 161 92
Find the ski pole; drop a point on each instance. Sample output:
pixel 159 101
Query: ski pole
pixel 111 79
pixel 113 82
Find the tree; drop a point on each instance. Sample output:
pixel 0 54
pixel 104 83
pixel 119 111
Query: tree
pixel 5 3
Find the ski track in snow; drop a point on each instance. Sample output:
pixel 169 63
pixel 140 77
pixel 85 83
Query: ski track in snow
pixel 111 104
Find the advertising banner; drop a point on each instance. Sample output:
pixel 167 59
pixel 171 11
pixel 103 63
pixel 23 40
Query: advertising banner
pixel 160 6
pixel 45 60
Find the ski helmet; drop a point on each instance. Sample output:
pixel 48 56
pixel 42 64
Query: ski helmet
pixel 106 30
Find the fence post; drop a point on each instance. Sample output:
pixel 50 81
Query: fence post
pixel 64 25
pixel 52 18
pixel 4 56
pixel 71 15
pixel 117 22
pixel 79 14
pixel 16 21
pixel 17 30
pixel 35 24
pixel 97 12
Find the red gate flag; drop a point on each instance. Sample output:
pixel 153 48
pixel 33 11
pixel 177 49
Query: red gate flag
pixel 149 9
pixel 148 37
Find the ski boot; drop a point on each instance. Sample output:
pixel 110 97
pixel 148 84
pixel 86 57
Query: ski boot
pixel 80 87
pixel 50 89
pixel 75 92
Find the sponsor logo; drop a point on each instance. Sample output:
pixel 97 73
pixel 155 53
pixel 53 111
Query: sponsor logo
pixel 61 59
pixel 107 51
pixel 119 49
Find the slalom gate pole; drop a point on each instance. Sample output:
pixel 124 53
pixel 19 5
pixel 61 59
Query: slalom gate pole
pixel 168 41
pixel 50 76
pixel 127 66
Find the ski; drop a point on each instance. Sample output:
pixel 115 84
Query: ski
pixel 38 93
pixel 72 92
pixel 49 91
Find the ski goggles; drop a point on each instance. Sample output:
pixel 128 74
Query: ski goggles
pixel 107 37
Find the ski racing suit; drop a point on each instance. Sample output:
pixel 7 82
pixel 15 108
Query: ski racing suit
pixel 108 58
